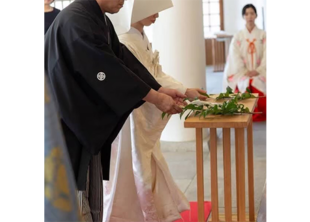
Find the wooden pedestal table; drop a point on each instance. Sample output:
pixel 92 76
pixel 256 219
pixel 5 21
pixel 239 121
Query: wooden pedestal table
pixel 239 123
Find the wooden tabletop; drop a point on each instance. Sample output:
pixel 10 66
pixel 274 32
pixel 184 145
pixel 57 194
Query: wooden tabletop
pixel 219 121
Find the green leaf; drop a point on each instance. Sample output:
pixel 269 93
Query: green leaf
pixel 188 114
pixel 181 114
pixel 229 90
pixel 215 109
pixel 246 95
pixel 196 113
pixel 209 112
pixel 204 114
pixel 163 115
pixel 190 106
pixel 201 114
pixel 204 94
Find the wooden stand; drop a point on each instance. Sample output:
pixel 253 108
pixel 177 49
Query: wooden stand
pixel 220 46
pixel 239 123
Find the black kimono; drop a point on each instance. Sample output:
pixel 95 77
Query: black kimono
pixel 96 81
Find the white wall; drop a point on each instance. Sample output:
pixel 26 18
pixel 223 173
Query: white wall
pixel 233 20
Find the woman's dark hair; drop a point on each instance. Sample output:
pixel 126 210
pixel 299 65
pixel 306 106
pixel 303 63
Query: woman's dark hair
pixel 246 7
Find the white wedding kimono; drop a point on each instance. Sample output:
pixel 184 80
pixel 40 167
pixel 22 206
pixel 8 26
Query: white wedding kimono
pixel 141 188
pixel 247 52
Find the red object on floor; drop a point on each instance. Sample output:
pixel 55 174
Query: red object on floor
pixel 192 214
